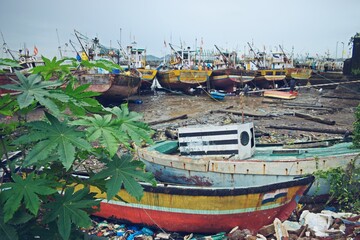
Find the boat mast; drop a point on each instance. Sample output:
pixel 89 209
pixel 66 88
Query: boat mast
pixel 6 49
pixel 255 55
pixel 81 44
pixel 177 54
pixel 59 43
pixel 286 59
pixel 71 43
pixel 223 55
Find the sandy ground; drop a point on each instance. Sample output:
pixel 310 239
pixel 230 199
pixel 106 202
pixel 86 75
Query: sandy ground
pixel 201 109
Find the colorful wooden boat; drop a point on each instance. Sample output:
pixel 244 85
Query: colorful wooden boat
pixel 280 94
pixel 117 86
pixel 5 78
pixel 229 79
pixel 299 73
pixel 225 156
pixel 195 209
pixel 268 78
pixel 147 77
pixel 183 79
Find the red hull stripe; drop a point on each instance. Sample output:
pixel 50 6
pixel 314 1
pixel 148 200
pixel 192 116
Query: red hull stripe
pixel 202 223
pixel 195 211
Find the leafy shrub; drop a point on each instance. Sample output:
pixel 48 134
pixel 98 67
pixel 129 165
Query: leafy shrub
pixel 37 193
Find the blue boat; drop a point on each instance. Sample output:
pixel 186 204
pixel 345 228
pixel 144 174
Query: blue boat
pixel 223 156
pixel 217 95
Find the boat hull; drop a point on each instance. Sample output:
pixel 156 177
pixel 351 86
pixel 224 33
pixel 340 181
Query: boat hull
pixel 230 79
pixel 147 78
pixel 207 210
pixel 299 73
pixel 183 80
pixel 263 168
pixel 269 78
pixel 117 86
pixel 5 78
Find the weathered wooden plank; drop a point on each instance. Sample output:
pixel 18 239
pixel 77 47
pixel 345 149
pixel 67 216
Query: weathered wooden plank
pixel 241 113
pixel 168 120
pixel 315 118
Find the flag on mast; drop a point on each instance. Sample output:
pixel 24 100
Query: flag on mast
pixel 36 51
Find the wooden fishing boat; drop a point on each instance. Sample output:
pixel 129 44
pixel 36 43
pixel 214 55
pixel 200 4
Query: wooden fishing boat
pixel 181 73
pixel 147 77
pixel 5 78
pixel 280 94
pixel 116 86
pixel 229 79
pixel 183 79
pixel 225 76
pixel 225 156
pixel 269 78
pixel 195 209
pixel 299 73
pixel 136 58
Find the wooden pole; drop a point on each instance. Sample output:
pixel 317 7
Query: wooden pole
pixel 315 119
pixel 330 131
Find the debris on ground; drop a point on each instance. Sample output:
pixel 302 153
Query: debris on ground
pixel 326 224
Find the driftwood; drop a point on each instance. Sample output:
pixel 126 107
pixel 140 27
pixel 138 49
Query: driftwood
pixel 315 119
pixel 272 101
pixel 330 131
pixel 241 113
pixel 168 120
pixel 306 106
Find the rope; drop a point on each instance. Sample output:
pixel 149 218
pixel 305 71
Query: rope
pixel 156 223
pixel 351 90
pixel 317 85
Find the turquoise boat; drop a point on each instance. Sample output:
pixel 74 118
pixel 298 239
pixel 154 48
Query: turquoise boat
pixel 225 156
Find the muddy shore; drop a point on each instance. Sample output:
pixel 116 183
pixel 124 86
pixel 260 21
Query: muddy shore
pixel 335 106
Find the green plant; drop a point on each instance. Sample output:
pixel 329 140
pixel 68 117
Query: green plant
pixel 355 72
pixel 37 193
pixel 345 182
pixel 344 185
pixel 356 131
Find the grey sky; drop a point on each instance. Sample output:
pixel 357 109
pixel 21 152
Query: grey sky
pixel 310 26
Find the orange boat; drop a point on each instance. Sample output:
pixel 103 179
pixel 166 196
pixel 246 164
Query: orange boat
pixel 280 94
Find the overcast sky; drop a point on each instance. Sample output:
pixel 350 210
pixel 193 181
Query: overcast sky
pixel 310 26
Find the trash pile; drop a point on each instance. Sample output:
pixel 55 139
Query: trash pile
pixel 103 230
pixel 324 225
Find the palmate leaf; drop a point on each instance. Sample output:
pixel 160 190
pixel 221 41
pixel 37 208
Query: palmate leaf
pixel 7 232
pixel 7 105
pixel 123 171
pixel 81 100
pixel 52 68
pixel 104 64
pixel 53 139
pixel 102 129
pixel 32 89
pixel 9 62
pixel 24 190
pixel 129 124
pixel 71 208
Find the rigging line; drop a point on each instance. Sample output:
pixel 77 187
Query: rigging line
pixel 351 90
pixel 156 223
pixel 207 92
pixel 316 85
